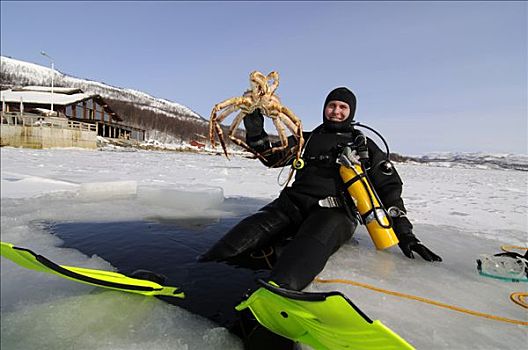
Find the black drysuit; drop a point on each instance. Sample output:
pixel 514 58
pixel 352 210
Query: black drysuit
pixel 308 233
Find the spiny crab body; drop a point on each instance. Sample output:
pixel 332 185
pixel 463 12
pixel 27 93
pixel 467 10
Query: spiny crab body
pixel 261 95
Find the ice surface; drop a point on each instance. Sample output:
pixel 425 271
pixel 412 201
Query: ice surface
pixel 22 186
pixel 110 320
pixel 181 199
pixel 459 213
pixel 454 282
pixel 92 191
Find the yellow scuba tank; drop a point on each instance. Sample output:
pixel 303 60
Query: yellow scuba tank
pixel 373 214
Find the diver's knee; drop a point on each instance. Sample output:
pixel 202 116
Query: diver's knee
pixel 286 209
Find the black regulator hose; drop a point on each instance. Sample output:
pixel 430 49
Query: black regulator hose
pixel 387 162
pixel 377 133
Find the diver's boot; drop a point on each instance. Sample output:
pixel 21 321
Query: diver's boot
pixel 254 335
pixel 149 276
pixel 257 337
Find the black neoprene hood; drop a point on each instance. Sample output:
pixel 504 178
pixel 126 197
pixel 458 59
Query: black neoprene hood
pixel 344 95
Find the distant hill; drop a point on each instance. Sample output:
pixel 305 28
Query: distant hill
pixel 475 160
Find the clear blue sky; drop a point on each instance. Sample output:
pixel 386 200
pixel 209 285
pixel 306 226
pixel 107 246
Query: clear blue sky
pixel 431 76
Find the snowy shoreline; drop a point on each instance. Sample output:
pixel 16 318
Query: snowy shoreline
pixel 468 160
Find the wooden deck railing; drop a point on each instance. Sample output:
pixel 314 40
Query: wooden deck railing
pixel 34 121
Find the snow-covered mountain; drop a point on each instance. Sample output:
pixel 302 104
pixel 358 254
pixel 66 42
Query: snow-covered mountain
pixel 476 160
pixel 16 72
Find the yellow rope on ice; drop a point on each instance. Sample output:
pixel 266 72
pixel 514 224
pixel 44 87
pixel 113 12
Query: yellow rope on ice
pixel 431 302
pixel 508 248
pixel 519 299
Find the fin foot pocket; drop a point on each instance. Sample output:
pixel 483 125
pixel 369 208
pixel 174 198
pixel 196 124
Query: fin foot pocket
pixel 149 276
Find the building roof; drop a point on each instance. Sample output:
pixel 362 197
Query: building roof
pixel 42 97
pixel 56 89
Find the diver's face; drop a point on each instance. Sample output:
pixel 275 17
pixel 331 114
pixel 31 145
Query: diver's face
pixel 337 111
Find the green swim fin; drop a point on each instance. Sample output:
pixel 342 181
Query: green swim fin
pixel 321 320
pixel 105 279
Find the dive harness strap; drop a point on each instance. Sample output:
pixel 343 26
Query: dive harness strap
pixel 329 202
pixel 354 179
pixel 371 215
pixel 333 202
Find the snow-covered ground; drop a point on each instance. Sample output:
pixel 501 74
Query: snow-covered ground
pixel 457 212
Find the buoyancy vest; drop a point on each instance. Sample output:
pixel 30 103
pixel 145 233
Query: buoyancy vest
pixel 319 178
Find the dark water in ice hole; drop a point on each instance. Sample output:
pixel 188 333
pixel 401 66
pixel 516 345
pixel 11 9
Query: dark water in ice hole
pixel 170 248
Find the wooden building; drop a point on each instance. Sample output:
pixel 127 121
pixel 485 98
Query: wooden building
pixel 70 103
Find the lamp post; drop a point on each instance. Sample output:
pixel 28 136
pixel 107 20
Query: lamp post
pixel 52 75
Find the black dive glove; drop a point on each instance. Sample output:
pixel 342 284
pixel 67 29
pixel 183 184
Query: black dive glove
pixel 408 241
pixel 254 124
pixel 414 245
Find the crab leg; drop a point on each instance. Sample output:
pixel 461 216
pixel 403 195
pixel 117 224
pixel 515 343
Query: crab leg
pixel 240 116
pixel 275 76
pixel 282 135
pixel 296 130
pixel 214 121
pixel 218 129
pixel 246 147
pixel 218 107
pixel 232 130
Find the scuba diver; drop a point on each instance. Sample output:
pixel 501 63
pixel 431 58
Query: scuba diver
pixel 315 216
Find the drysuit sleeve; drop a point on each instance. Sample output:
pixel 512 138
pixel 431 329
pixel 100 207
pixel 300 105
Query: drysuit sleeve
pixel 272 160
pixel 389 189
pixel 258 140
